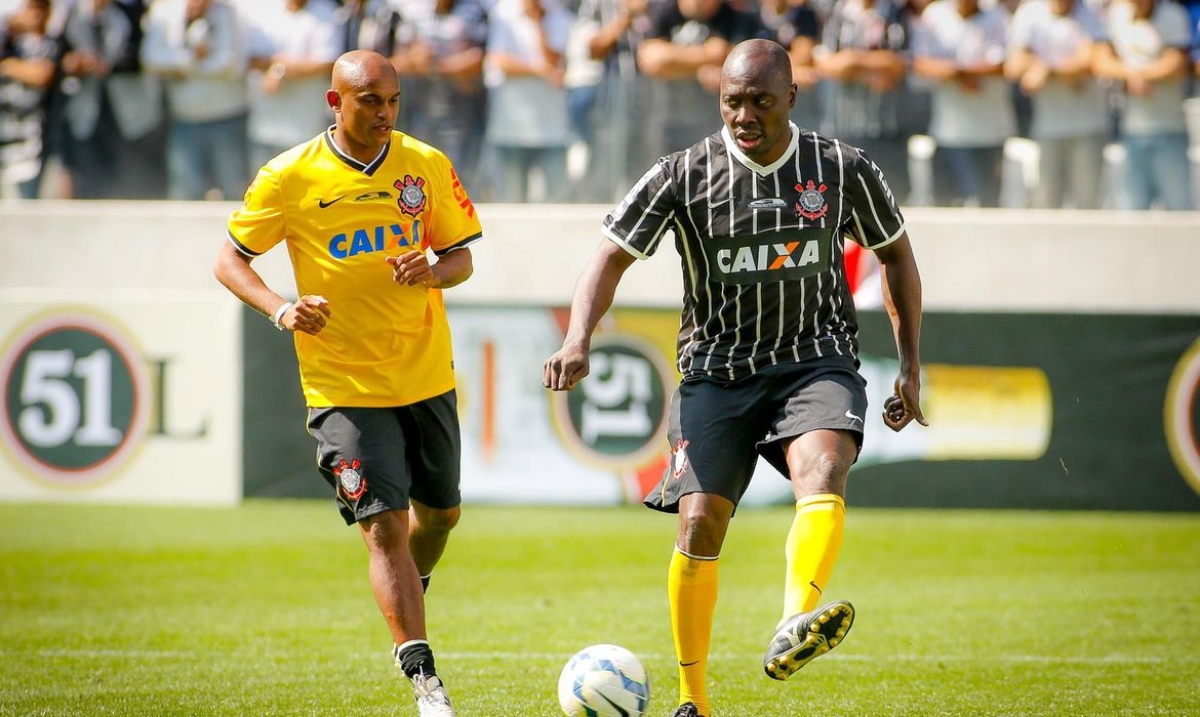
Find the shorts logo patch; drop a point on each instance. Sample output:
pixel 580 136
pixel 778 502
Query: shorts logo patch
pixel 812 204
pixel 679 459
pixel 350 479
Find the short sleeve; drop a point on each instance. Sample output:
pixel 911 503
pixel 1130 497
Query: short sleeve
pixel 259 224
pixel 639 222
pixel 456 223
pixel 875 220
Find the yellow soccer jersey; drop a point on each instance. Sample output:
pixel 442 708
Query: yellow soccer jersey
pixel 385 344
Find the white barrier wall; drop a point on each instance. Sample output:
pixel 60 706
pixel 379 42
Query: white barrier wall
pixel 122 356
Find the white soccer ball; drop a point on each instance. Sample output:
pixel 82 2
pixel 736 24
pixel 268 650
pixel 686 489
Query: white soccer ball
pixel 604 681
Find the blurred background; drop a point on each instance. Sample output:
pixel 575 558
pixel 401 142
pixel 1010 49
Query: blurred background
pixel 1043 152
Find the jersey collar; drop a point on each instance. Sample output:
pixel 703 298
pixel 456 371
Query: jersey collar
pixel 367 169
pixel 753 166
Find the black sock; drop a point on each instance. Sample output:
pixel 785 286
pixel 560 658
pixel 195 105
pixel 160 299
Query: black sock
pixel 415 659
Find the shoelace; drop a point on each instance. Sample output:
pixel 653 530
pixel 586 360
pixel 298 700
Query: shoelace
pixel 429 690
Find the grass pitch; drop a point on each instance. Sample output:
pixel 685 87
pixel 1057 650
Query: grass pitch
pixel 265 610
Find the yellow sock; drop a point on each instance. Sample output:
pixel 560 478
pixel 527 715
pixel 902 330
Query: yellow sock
pixel 812 550
pixel 692 588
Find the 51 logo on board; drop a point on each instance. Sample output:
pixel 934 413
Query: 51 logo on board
pixel 78 398
pixel 616 417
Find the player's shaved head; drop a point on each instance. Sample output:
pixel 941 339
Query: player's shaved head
pixel 765 60
pixel 364 95
pixel 359 68
pixel 757 95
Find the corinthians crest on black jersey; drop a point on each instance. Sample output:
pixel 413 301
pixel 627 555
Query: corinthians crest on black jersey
pixel 764 279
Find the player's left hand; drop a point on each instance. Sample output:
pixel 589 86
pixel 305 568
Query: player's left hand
pixel 565 368
pixel 412 269
pixel 904 405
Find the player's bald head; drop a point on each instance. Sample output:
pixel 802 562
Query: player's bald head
pixel 357 69
pixel 761 60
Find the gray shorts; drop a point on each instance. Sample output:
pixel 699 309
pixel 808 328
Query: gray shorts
pixel 718 429
pixel 376 459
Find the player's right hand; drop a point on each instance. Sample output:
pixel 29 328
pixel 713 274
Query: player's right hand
pixel 307 315
pixel 565 368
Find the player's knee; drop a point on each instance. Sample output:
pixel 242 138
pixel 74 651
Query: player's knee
pixel 384 530
pixel 438 519
pixel 701 532
pixel 822 472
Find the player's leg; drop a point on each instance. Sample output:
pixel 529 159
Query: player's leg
pixel 819 462
pixel 428 532
pixel 814 441
pixel 713 429
pixel 395 581
pixel 692 589
pixel 432 434
pixel 433 450
pixel 361 453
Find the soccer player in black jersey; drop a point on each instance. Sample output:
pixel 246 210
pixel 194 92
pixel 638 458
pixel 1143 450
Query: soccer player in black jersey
pixel 767 344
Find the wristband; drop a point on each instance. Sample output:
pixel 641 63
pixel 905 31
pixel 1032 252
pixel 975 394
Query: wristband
pixel 279 314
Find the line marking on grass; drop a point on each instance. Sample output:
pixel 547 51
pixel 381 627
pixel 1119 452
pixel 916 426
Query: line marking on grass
pixel 556 656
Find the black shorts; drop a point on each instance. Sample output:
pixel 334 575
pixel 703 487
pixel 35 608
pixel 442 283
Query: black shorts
pixel 376 459
pixel 718 429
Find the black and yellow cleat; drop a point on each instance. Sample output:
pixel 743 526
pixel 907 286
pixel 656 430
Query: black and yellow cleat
pixel 687 709
pixel 801 638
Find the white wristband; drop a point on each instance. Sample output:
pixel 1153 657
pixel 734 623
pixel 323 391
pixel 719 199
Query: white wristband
pixel 279 314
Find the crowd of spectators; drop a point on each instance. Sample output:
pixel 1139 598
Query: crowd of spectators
pixel 571 100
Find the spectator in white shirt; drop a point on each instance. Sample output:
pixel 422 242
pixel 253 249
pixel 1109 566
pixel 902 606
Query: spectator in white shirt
pixel 527 105
pixel 1147 55
pixel 196 47
pixel 961 48
pixel 292 47
pixel 1052 46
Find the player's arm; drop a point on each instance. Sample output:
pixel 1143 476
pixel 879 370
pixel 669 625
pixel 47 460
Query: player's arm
pixel 593 296
pixel 902 299
pixel 233 270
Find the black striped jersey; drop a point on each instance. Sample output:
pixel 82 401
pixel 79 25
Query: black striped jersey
pixel 760 247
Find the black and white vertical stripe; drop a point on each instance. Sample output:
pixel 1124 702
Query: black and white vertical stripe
pixel 710 194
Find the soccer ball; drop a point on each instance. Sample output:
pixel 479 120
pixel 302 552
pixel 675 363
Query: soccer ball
pixel 604 681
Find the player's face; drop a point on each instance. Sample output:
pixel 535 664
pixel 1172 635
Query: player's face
pixel 366 113
pixel 755 107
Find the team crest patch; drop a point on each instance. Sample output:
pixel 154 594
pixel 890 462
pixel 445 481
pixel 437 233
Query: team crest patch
pixel 352 482
pixel 412 194
pixel 679 459
pixel 812 204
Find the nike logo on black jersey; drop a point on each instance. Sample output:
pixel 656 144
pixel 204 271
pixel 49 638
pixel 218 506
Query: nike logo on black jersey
pixel 323 204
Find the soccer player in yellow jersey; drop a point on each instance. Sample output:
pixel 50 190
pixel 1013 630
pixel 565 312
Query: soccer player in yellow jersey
pixel 360 207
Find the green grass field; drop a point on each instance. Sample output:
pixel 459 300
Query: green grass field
pixel 265 610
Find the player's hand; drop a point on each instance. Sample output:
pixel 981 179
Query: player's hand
pixel 904 405
pixel 412 269
pixel 308 315
pixel 565 368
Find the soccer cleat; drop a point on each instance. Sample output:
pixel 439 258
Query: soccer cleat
pixel 432 700
pixel 802 637
pixel 687 709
